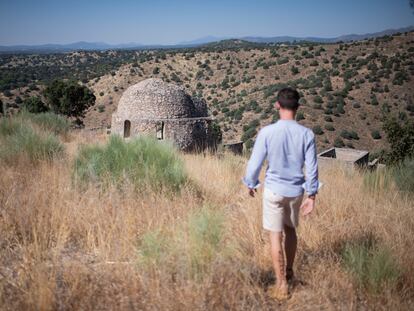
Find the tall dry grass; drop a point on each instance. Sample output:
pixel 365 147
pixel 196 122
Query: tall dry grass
pixel 63 248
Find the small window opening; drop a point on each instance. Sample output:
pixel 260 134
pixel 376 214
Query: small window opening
pixel 160 131
pixel 127 128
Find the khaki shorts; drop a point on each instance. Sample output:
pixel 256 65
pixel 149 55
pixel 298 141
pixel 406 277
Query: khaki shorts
pixel 279 211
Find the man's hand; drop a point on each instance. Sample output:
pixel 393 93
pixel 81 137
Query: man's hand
pixel 307 206
pixel 252 192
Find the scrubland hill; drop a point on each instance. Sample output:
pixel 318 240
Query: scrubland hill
pixel 90 222
pixel 347 88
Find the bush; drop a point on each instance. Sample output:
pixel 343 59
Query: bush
pixel 318 99
pixel 339 143
pixel 371 264
pixel 144 162
pixel 317 130
pixel 300 116
pixel 349 134
pixel 19 139
pixel 375 134
pixel 69 98
pixel 329 127
pixel 35 105
pixel 400 138
pixel 249 133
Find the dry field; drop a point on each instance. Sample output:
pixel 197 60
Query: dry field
pixel 67 248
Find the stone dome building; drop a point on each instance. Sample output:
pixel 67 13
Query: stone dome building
pixel 163 110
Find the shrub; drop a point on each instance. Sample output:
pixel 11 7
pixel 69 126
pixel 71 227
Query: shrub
pixel 375 134
pixel 216 132
pixel 371 264
pixel 353 135
pixel 69 98
pixel 144 162
pixel 329 127
pixel 35 105
pixel 400 138
pixel 328 119
pixel 249 133
pixel 349 134
pixel 282 60
pixel 300 116
pixel 318 99
pixel 317 130
pixel 339 143
pixel 19 139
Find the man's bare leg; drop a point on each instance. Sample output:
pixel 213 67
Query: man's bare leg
pixel 291 242
pixel 278 259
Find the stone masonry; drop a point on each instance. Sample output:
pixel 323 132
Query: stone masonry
pixel 163 110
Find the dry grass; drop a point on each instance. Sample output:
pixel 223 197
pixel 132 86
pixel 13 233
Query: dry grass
pixel 62 248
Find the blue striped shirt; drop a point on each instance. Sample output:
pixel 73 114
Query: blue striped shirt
pixel 288 147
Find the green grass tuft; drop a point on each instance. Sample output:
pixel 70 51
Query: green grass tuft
pixel 372 265
pixel 19 139
pixel 48 121
pixel 191 249
pixel 403 174
pixel 143 161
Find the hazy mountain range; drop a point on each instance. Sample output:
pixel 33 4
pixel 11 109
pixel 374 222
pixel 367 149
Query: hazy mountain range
pixel 88 46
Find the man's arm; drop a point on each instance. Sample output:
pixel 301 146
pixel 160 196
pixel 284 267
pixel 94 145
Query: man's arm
pixel 311 167
pixel 255 163
pixel 312 183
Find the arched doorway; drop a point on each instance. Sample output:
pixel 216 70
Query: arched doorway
pixel 127 128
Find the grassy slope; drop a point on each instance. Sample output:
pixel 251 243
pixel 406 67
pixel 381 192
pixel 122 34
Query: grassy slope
pixel 66 249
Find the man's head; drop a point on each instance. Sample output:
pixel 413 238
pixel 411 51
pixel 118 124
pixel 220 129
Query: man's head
pixel 288 99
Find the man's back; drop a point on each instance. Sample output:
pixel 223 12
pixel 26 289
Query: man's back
pixel 287 146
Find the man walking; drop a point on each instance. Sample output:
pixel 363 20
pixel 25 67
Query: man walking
pixel 288 147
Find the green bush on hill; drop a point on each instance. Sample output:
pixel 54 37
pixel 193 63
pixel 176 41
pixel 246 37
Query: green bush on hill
pixel 69 98
pixel 35 105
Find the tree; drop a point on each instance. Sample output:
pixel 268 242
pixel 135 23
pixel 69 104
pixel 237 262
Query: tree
pixel 69 98
pixel 35 105
pixel 216 132
pixel 401 139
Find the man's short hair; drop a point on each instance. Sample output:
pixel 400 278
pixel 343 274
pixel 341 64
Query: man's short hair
pixel 288 98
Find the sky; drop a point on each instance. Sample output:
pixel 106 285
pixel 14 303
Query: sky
pixel 174 21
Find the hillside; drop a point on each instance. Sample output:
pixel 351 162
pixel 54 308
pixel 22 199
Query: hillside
pixel 347 87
